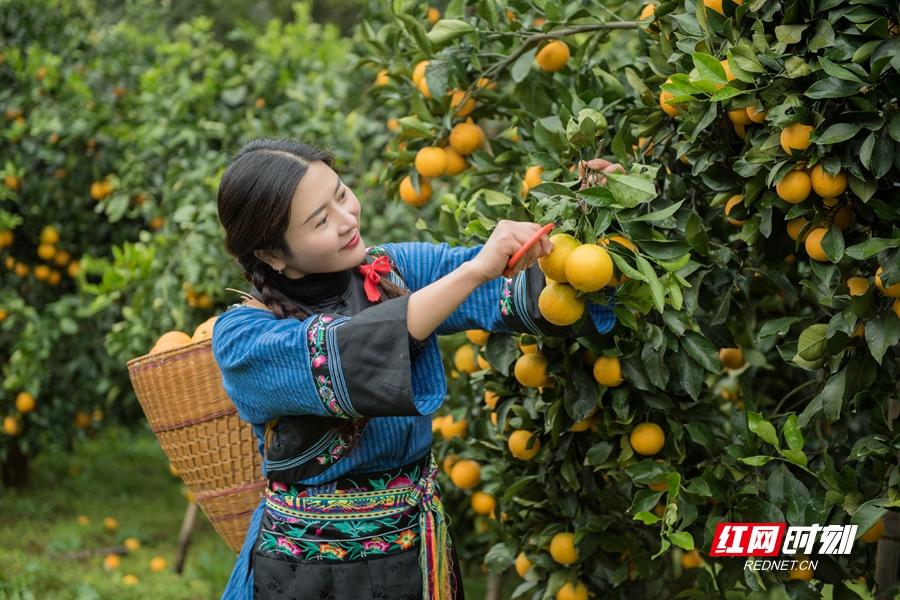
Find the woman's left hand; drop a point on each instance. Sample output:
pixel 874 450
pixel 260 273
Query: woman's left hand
pixel 591 172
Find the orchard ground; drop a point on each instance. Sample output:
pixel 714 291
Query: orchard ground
pixel 125 476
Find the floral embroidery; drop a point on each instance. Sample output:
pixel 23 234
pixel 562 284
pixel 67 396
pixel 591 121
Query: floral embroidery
pixel 334 540
pixel 315 336
pixel 506 297
pixel 347 438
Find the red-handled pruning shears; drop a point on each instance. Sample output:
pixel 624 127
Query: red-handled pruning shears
pixel 525 247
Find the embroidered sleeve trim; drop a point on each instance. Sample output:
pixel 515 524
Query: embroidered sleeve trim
pixel 325 364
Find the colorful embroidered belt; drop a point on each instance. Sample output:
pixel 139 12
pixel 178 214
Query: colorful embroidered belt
pixel 362 518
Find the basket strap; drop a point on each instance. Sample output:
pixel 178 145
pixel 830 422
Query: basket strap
pixel 270 425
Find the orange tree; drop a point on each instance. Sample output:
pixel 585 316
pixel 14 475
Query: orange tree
pixel 115 135
pixel 745 380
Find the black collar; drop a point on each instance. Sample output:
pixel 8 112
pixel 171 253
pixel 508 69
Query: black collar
pixel 314 287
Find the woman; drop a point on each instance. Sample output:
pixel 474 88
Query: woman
pixel 335 363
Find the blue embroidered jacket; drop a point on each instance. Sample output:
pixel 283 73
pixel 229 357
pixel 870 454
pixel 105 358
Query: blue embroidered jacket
pixel 278 367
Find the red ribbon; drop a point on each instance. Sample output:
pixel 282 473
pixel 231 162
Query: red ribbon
pixel 382 264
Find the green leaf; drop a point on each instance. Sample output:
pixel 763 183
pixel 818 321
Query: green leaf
pixel 832 395
pixel 658 215
pixel 795 456
pixel 522 66
pixel 777 326
pixel 656 287
pixel 630 190
pixel 882 332
pixel 838 71
pixel 832 87
pixel 500 556
pixel 871 247
pixel 761 427
pixel 709 67
pixel 792 434
pixel 756 461
pixel 701 350
pixel 839 132
pixel 682 539
pixel 446 30
pixel 647 518
pixel 790 34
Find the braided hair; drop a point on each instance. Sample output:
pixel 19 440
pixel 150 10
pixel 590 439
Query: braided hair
pixel 254 204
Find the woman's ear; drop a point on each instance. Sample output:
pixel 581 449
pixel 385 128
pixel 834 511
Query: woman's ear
pixel 272 258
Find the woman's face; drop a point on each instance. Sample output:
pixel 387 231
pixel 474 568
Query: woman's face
pixel 324 218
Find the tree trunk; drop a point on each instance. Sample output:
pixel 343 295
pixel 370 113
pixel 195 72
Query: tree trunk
pixel 14 470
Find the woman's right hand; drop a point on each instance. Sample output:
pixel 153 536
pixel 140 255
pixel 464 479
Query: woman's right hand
pixel 506 239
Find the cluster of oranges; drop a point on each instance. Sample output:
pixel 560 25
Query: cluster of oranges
pixel 195 300
pixel 450 157
pixel 55 258
pixel 101 189
pixel 171 340
pixel 113 560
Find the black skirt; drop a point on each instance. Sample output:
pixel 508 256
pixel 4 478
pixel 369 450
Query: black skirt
pixel 367 559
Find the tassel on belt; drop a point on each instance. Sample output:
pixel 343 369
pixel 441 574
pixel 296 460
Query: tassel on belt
pixel 434 538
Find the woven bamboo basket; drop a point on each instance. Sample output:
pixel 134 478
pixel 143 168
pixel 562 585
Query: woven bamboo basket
pixel 200 432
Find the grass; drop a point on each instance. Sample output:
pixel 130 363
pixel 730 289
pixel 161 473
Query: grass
pixel 125 476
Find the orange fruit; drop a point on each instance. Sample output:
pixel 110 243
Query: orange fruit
pixel 896 308
pixel 156 223
pixel 874 533
pixel 157 564
pixel 46 251
pixel 562 548
pixel 648 11
pixel 6 238
pixel 448 462
pixel 408 193
pixel 572 592
pixel 608 371
pixel 554 264
pixel 111 523
pixel 553 57
pixel 491 398
pixel 843 217
pixel 49 235
pixel 527 348
pixel 204 330
pixel 130 579
pixel 518 444
pixel 482 363
pixel 464 359
pixel 647 439
pixel 715 5
pixel 483 503
pixel 465 474
pixel 794 187
pixel 795 137
pixel 132 544
pixel 732 202
pixel 755 115
pixel 533 176
pixel 73 269
pixel 813 244
pixel 559 304
pixel 382 78
pixel 523 565
pixel 25 402
pixel 732 358
pixel 857 285
pixel 170 340
pixel 431 161
pixel 801 574
pixel 728 74
pixel 418 73
pixel 484 82
pixel 12 182
pixel 588 268
pixel 422 86
pixel 22 269
pixel 739 116
pixel 111 562
pixel 456 162
pixel 794 226
pixel 691 560
pixel 892 291
pixel 433 15
pixel 479 337
pixel 12 426
pixel 531 370
pixel 82 420
pixel 670 109
pixel 467 107
pixel 451 429
pixel 466 138
pixel 62 258
pixel 54 278
pixel 827 185
pixel 41 272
